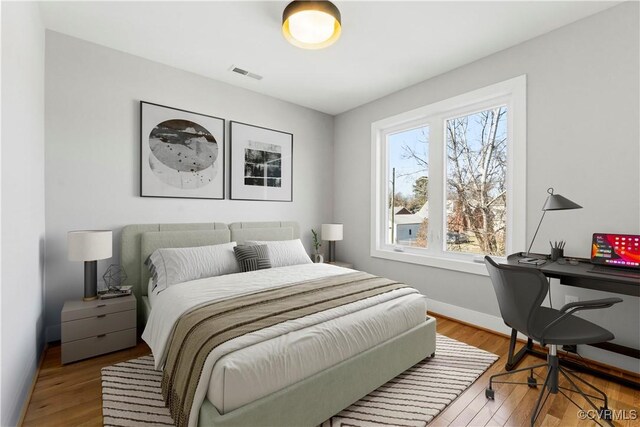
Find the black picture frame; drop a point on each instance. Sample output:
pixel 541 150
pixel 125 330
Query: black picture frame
pixel 154 184
pixel 277 145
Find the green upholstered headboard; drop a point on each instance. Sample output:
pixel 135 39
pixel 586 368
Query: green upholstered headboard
pixel 269 230
pixel 138 241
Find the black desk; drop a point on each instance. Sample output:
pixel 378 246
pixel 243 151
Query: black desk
pixel 579 275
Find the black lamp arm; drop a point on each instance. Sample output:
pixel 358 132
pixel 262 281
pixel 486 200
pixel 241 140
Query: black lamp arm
pixel 536 233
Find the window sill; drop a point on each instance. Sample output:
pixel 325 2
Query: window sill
pixel 447 263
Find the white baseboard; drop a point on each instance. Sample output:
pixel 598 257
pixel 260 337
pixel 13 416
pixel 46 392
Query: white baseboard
pixel 484 320
pixel 34 380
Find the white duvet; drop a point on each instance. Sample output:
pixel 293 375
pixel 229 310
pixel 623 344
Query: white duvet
pixel 254 365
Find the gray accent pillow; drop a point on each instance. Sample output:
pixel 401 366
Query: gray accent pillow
pixel 284 252
pixel 251 258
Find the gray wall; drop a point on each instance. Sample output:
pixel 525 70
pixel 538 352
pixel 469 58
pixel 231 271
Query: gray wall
pixel 582 139
pixel 22 203
pixel 92 153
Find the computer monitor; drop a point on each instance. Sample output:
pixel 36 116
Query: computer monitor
pixel 616 250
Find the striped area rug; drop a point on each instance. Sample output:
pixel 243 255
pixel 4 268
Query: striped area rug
pixel 131 391
pixel 131 394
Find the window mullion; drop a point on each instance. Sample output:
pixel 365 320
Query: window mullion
pixel 436 186
pixel 384 188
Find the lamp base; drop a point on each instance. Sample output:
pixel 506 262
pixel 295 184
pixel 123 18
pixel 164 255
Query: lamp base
pixel 90 280
pixel 332 251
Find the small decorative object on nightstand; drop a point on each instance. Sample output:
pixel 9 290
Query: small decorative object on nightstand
pixel 89 246
pixel 331 233
pixel 114 277
pixel 91 328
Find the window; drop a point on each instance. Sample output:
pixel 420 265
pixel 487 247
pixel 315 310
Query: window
pixel 408 158
pixel 448 181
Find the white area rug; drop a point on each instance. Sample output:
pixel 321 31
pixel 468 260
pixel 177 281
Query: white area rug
pixel 131 391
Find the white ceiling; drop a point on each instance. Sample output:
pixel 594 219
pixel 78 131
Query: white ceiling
pixel 384 47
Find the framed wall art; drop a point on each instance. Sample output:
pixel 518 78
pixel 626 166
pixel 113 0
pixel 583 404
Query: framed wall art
pixel 261 163
pixel 181 153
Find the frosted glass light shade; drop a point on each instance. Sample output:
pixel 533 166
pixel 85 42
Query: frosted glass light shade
pixel 331 232
pixel 89 245
pixel 311 24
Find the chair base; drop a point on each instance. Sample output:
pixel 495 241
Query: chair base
pixel 528 349
pixel 551 386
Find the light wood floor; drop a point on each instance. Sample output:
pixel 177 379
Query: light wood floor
pixel 70 395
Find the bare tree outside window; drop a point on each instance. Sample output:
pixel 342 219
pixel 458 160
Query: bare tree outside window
pixel 476 182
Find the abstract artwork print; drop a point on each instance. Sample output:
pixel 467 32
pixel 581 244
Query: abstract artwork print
pixel 182 153
pixel 261 163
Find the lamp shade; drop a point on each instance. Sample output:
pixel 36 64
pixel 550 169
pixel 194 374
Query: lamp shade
pixel 556 202
pixel 331 232
pixel 89 245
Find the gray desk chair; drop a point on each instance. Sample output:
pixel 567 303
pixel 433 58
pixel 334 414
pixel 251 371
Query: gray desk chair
pixel 520 294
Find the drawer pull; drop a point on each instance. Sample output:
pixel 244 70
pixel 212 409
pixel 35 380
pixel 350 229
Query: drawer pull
pixel 101 336
pixel 101 305
pixel 101 315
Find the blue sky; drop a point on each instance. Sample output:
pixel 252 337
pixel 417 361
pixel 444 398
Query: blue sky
pixel 415 139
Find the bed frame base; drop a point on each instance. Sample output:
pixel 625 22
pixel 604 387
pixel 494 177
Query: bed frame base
pixel 319 397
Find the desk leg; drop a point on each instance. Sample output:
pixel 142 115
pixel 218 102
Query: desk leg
pixel 514 359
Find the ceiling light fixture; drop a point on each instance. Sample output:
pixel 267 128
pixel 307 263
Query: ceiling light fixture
pixel 311 24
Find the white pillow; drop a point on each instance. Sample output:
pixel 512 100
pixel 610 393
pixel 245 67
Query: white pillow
pixel 169 266
pixel 284 252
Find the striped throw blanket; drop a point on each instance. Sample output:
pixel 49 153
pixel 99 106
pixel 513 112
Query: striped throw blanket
pixel 204 328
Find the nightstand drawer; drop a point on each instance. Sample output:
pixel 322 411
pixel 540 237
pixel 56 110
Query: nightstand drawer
pixel 74 310
pixel 89 347
pixel 98 325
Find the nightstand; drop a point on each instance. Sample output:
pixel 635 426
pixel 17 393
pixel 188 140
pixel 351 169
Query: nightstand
pixel 341 264
pixel 91 328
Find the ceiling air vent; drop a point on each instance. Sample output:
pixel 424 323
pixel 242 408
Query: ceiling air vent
pixel 245 73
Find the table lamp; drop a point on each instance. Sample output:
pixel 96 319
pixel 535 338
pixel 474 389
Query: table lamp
pixel 554 202
pixel 332 233
pixel 89 246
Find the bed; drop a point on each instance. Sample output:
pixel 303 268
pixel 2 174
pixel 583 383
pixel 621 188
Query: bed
pixel 272 378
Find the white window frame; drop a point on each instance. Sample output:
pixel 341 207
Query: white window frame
pixel 512 94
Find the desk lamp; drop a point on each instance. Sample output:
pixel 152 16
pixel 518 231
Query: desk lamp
pixel 89 246
pixel 331 233
pixel 554 202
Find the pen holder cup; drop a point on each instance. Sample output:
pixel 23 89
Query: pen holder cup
pixel 556 253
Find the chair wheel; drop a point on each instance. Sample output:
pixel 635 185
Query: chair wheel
pixel 490 394
pixel 605 413
pixel 531 382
